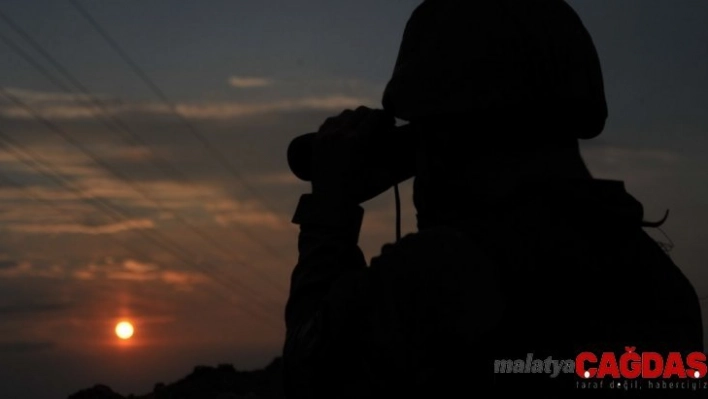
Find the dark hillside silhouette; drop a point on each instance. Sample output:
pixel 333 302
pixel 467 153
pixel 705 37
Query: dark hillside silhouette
pixel 205 382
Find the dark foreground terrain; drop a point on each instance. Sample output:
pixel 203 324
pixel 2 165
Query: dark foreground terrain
pixel 221 382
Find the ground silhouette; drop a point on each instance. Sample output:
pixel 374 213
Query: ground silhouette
pixel 206 382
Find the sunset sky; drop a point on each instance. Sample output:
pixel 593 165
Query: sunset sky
pixel 169 205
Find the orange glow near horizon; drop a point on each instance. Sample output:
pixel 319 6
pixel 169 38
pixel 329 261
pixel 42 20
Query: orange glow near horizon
pixel 124 330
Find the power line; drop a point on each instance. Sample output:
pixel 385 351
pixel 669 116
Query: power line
pixel 130 137
pixel 7 181
pixel 31 160
pixel 9 144
pixel 28 158
pixel 206 143
pixel 39 67
pixel 97 160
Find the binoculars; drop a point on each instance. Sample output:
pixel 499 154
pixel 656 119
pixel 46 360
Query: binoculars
pixel 394 153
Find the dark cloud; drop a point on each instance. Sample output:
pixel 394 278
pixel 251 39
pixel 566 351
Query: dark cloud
pixel 32 308
pixel 23 347
pixel 8 264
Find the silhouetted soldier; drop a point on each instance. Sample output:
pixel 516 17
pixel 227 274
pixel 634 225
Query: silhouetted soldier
pixel 519 250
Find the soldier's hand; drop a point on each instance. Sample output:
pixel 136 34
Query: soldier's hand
pixel 347 155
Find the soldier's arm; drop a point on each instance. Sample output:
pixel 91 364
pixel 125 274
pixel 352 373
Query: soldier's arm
pixel 328 252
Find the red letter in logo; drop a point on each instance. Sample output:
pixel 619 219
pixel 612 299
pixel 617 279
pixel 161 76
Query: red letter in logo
pixel 696 362
pixel 652 365
pixel 580 369
pixel 630 363
pixel 674 366
pixel 608 365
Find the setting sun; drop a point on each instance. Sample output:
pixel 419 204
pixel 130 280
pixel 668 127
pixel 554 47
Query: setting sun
pixel 124 330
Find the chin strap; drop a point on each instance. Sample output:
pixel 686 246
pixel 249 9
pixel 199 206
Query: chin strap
pixel 669 244
pixel 657 223
pixel 398 212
